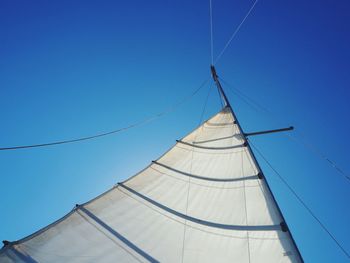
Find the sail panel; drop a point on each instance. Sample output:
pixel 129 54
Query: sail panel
pixel 202 201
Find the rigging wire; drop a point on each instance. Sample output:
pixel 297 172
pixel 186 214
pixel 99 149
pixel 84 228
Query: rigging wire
pixel 254 104
pixel 211 32
pixel 302 141
pixel 235 93
pixel 301 201
pixel 312 148
pixel 251 102
pixel 189 178
pixel 235 32
pixel 136 124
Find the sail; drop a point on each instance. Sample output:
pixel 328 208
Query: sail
pixel 202 201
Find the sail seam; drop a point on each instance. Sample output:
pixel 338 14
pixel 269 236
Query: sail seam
pixel 245 205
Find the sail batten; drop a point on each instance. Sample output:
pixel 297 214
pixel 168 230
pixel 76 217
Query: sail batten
pixel 215 195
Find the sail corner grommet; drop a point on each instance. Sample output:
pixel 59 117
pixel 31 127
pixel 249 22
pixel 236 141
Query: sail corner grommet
pixel 260 175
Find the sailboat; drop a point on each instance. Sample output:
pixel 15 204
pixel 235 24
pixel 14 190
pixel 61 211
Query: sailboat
pixel 204 200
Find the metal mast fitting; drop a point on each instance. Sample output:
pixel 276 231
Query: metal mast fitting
pixel 221 91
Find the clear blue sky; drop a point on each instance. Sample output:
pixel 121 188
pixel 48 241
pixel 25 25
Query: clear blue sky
pixel 75 68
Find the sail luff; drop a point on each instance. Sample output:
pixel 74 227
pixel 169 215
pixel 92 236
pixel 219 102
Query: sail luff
pixel 243 134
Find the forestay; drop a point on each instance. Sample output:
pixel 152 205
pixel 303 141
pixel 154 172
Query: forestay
pixel 202 201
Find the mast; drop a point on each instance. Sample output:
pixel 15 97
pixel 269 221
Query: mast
pixel 284 225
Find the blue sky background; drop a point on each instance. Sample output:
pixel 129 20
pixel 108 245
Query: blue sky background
pixel 75 68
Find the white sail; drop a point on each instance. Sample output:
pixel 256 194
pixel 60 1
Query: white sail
pixel 202 201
